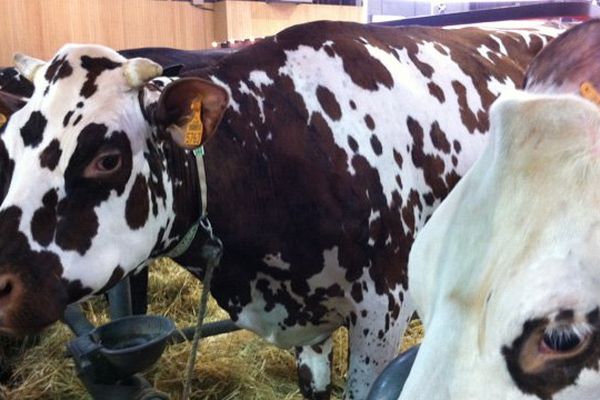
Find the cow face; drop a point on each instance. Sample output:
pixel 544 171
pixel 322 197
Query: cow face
pixel 89 176
pixel 506 274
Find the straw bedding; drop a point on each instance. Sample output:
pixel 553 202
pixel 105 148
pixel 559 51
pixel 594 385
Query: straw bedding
pixel 238 365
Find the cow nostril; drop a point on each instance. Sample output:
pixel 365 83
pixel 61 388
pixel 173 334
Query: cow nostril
pixel 6 287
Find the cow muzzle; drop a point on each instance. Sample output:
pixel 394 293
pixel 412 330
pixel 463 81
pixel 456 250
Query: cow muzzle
pixel 29 309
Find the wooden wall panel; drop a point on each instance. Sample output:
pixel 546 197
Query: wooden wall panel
pixel 238 20
pixel 40 27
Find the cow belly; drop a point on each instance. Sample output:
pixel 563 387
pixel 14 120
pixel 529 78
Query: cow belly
pixel 277 326
pixel 288 317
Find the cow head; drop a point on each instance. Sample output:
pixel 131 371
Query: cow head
pixel 506 274
pixel 90 175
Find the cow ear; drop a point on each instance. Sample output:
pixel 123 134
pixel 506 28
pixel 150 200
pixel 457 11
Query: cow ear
pixel 569 61
pixel 190 109
pixel 27 66
pixel 9 103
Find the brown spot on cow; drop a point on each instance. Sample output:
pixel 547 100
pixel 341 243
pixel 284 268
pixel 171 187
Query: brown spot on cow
pixel 432 165
pixel 472 121
pixel 365 70
pixel 452 179
pixel 353 144
pixel 440 49
pixel 398 158
pixel 408 211
pixel 356 292
pixel 457 146
pixel 429 199
pixel 369 121
pixel 51 155
pixel 439 138
pixel 137 207
pixel 67 118
pixel 59 68
pixel 33 130
pixel 95 66
pixel 87 224
pixel 376 145
pixel 436 91
pixel 43 223
pixel 329 103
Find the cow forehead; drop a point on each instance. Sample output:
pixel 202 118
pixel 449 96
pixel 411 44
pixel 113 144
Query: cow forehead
pixel 79 66
pixel 532 196
pixel 81 85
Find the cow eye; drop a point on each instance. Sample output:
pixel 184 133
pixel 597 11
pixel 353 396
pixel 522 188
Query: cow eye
pixel 105 163
pixel 109 162
pixel 563 339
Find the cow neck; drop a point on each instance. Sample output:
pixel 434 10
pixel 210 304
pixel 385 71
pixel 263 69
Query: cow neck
pixel 202 222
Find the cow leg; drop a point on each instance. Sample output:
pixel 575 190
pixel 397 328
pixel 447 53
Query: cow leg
pixel 314 369
pixel 375 334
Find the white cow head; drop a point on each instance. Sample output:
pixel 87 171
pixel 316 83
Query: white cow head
pixel 506 274
pixel 91 183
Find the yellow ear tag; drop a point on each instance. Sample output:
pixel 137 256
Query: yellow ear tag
pixel 3 119
pixel 588 91
pixel 194 129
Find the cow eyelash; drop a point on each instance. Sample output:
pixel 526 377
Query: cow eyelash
pixel 565 338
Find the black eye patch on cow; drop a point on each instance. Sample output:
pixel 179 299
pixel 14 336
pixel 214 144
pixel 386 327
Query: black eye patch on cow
pixel 83 194
pixel 554 374
pixel 93 141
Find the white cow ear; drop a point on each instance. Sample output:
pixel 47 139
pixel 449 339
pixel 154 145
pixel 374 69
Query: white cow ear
pixel 190 109
pixel 27 66
pixel 138 71
pixel 567 62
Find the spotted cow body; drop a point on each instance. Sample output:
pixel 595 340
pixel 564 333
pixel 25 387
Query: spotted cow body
pixel 338 142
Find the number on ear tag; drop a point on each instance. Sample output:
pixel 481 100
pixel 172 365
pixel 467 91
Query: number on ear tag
pixel 194 129
pixel 3 119
pixel 588 91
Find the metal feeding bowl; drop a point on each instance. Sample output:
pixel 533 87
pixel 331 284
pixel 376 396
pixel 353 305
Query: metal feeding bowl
pixel 133 344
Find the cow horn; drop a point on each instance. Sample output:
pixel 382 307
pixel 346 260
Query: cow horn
pixel 27 66
pixel 138 71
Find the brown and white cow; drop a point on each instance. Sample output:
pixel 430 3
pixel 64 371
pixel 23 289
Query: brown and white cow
pixel 336 143
pixel 506 274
